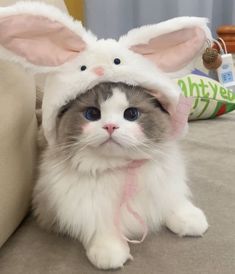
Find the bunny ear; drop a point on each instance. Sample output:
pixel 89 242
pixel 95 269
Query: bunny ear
pixel 40 36
pixel 172 45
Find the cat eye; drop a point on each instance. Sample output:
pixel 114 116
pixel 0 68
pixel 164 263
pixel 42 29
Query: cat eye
pixel 92 114
pixel 131 114
pixel 117 61
pixel 83 68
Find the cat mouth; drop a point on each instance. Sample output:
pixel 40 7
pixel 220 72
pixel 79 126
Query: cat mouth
pixel 110 141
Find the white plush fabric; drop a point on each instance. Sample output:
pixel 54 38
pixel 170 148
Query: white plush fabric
pixel 68 81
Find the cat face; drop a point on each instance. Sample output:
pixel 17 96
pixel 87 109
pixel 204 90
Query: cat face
pixel 113 118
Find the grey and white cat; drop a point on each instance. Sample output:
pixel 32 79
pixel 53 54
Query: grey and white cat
pixel 82 177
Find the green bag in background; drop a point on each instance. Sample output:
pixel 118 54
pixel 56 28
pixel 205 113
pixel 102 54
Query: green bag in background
pixel 210 98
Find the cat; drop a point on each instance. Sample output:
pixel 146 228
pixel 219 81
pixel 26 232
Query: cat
pixel 99 134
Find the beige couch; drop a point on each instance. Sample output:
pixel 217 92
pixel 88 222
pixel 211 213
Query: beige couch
pixel 210 155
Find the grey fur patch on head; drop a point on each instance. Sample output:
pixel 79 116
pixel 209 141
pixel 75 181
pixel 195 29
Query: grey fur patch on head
pixel 154 121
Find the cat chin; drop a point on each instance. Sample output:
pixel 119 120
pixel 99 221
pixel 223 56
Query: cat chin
pixel 110 143
pixel 99 159
pixel 112 150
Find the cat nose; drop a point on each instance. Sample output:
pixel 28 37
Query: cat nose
pixel 110 128
pixel 99 71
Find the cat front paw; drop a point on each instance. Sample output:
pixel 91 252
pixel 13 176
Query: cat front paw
pixel 108 254
pixel 187 221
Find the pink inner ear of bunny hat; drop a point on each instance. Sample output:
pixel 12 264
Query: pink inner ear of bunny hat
pixel 172 51
pixel 41 41
pixel 179 118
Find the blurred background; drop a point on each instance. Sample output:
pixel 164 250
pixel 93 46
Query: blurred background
pixel 112 18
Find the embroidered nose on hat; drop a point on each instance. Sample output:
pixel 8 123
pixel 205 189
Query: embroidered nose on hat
pixel 99 71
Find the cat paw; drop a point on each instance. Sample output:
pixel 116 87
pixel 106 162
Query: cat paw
pixel 187 221
pixel 108 254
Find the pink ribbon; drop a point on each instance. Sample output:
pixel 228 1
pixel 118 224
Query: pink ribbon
pixel 129 190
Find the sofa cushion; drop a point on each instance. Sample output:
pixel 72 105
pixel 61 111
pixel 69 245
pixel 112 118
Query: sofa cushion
pixel 17 145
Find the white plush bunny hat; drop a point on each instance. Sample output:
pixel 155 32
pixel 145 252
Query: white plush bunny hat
pixel 45 40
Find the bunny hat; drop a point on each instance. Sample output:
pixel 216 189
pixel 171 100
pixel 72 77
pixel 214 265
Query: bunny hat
pixel 45 40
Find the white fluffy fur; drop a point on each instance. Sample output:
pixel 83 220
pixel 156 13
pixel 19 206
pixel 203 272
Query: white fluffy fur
pixel 145 33
pixel 83 198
